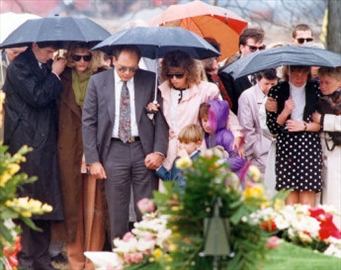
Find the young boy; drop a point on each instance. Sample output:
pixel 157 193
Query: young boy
pixel 213 117
pixel 190 138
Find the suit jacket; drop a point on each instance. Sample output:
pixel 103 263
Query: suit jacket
pixel 234 87
pixel 99 116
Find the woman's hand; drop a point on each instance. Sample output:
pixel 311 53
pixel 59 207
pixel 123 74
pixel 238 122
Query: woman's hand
pixel 289 106
pixel 295 126
pixel 271 105
pixel 316 117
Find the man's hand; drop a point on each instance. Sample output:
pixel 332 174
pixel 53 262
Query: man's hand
pixel 238 143
pixel 58 65
pixel 96 169
pixel 153 161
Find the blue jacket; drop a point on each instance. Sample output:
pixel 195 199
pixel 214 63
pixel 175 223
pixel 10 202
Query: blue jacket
pixel 175 174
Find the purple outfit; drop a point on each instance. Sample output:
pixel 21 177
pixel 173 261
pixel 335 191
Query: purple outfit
pixel 217 116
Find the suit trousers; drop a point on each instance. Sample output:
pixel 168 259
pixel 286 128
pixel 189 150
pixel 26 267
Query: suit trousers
pixel 125 169
pixel 35 246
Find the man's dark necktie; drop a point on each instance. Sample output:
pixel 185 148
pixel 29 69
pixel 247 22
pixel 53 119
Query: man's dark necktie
pixel 124 131
pixel 45 69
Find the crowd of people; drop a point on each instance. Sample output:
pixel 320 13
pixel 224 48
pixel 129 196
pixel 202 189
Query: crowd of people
pixel 101 142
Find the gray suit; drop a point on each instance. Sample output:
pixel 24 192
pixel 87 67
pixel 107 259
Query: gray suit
pixel 123 162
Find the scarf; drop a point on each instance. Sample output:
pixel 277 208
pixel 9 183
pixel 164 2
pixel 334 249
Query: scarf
pixel 80 84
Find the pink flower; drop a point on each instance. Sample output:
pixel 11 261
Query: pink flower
pixel 136 257
pixel 272 242
pixel 146 205
pixel 128 236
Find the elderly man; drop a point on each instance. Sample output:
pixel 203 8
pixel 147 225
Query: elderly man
pixel 122 144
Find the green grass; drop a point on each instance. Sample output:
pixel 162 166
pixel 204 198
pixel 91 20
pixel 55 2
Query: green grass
pixel 291 257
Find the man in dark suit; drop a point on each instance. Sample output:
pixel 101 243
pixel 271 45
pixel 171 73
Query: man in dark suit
pixel 127 154
pixel 250 40
pixel 32 87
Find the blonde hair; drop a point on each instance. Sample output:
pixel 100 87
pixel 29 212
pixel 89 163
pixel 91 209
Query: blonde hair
pixel 191 133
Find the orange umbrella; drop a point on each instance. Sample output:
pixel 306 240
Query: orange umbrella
pixel 206 21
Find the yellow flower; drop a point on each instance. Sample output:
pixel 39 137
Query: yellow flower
pixel 255 191
pixel 13 168
pixel 47 208
pixel 183 163
pixel 4 178
pixel 278 204
pixel 157 253
pixel 254 173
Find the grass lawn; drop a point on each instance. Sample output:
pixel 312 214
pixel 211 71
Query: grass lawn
pixel 291 257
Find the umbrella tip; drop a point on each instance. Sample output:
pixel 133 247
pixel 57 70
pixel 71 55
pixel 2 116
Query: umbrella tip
pixel 56 15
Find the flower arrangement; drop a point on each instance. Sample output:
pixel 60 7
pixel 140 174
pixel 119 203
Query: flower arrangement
pixel 14 208
pixel 146 244
pixel 302 225
pixel 245 224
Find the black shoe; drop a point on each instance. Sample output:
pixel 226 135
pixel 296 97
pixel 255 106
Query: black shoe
pixel 59 258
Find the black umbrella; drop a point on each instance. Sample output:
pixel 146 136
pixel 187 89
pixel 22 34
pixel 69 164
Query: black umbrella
pixel 285 55
pixel 59 29
pixel 154 42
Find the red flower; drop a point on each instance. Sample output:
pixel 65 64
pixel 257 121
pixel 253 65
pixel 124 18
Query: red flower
pixel 269 225
pixel 327 227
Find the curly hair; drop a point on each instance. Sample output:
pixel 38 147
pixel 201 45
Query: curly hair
pixel 180 59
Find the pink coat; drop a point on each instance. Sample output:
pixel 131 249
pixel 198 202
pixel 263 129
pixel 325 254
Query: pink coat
pixel 187 113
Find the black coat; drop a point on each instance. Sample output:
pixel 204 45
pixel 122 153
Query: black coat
pixel 31 118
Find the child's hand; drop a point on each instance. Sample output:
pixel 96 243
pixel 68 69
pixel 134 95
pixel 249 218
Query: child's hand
pixel 182 153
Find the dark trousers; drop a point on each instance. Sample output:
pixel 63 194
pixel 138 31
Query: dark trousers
pixel 125 169
pixel 35 247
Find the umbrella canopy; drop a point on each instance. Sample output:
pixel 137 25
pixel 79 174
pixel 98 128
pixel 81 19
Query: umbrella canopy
pixel 285 55
pixel 10 21
pixel 206 21
pixel 154 42
pixel 61 29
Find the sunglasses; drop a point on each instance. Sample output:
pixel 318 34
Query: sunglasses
pixel 124 69
pixel 301 40
pixel 176 75
pixel 255 48
pixel 77 58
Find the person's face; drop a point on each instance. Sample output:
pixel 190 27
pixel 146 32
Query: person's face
pixel 14 52
pixel 302 37
pixel 265 84
pixel 206 125
pixel 177 77
pixel 81 59
pixel 189 147
pixel 251 46
pixel 43 54
pixel 126 65
pixel 329 84
pixel 298 77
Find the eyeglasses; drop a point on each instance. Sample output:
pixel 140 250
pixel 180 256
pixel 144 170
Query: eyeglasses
pixel 124 69
pixel 255 48
pixel 301 40
pixel 176 75
pixel 77 58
